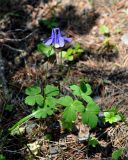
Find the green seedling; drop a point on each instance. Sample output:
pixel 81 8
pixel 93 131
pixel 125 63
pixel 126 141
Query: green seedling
pixel 72 52
pixel 104 29
pixel 112 115
pixel 117 154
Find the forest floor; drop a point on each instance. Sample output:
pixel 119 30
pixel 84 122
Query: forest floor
pixel 104 65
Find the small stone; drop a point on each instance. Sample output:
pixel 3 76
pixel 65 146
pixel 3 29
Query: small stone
pixel 124 38
pixel 53 149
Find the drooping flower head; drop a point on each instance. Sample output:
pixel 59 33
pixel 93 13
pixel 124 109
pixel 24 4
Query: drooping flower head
pixel 56 39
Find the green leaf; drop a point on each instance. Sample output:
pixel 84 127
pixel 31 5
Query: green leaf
pixel 2 157
pixel 104 29
pixel 30 100
pixel 48 109
pixel 70 58
pixel 64 54
pixel 51 102
pixel 87 99
pixel 77 46
pixel 93 108
pixel 69 114
pixel 34 96
pixel 39 99
pixel 51 90
pixel 76 90
pixel 65 101
pixel 117 154
pixel 34 90
pixel 86 88
pixel 90 119
pixel 111 117
pixel 40 112
pixel 83 91
pixel 69 52
pixel 93 141
pixel 89 116
pixel 67 125
pixel 80 50
pixel 46 50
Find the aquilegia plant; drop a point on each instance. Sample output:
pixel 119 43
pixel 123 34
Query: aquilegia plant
pixel 56 39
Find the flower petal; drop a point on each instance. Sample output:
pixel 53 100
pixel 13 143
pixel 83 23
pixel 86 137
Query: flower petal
pixel 49 41
pixel 67 39
pixel 61 41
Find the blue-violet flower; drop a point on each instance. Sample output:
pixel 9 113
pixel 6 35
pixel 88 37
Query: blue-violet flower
pixel 56 39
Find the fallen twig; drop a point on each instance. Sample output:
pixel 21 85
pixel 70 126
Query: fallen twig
pixel 2 76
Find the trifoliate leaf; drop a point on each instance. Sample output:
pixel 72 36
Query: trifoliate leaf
pixel 67 125
pixel 40 113
pixel 39 99
pixel 93 108
pixel 30 100
pixel 51 102
pixel 65 101
pixel 83 91
pixel 69 114
pixel 48 109
pixel 51 90
pixel 88 99
pixel 76 90
pixel 34 90
pixel 89 116
pixel 34 96
pixel 86 88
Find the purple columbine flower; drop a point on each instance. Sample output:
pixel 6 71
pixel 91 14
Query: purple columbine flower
pixel 57 39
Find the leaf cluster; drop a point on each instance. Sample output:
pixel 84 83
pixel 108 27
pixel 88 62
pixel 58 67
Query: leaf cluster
pixel 45 102
pixel 112 115
pixel 49 23
pixel 71 52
